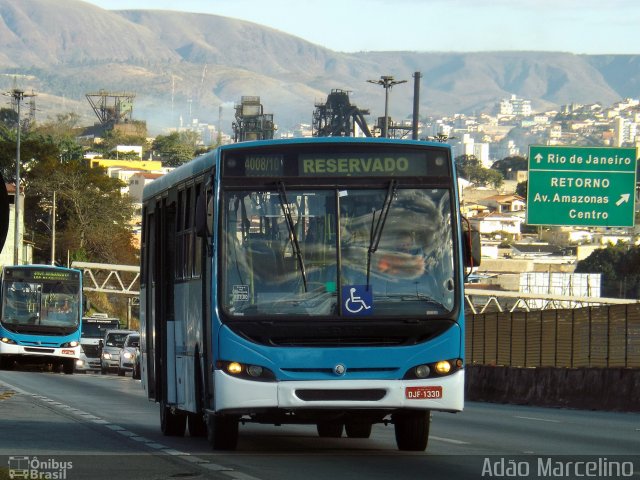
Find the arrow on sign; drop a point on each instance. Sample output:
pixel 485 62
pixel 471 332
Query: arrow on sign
pixel 538 157
pixel 623 199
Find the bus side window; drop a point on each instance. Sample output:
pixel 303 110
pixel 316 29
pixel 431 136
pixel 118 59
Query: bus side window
pixel 196 250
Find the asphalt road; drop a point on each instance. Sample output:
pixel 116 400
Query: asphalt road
pixel 107 428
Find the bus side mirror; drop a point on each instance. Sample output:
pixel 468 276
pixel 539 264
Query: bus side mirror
pixel 204 216
pixel 471 249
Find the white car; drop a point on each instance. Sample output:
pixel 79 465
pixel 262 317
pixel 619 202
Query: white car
pixel 130 355
pixel 112 346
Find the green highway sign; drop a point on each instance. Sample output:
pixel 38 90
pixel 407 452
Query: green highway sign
pixel 581 186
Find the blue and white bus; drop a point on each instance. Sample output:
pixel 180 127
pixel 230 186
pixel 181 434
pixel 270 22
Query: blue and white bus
pixel 307 281
pixel 41 316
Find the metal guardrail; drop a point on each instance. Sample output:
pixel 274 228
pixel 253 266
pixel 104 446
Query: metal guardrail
pixel 481 301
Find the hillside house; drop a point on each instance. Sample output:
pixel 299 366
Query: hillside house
pixel 504 203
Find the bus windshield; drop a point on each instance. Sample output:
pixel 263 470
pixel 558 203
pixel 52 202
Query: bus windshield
pixel 97 329
pixel 49 304
pixel 337 252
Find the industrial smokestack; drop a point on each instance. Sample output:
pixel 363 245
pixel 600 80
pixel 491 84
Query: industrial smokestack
pixel 416 104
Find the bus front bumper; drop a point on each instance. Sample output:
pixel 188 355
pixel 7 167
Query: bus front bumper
pixel 241 396
pixel 22 351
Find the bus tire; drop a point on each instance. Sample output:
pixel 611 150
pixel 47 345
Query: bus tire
pixel 330 429
pixel 197 425
pixel 6 363
pixel 358 429
pixel 172 424
pixel 68 366
pixel 222 431
pixel 412 429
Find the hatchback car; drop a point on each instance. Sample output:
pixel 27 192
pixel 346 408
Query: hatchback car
pixel 111 349
pixel 129 355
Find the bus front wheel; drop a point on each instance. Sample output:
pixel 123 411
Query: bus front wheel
pixel 330 429
pixel 6 363
pixel 68 365
pixel 172 424
pixel 358 429
pixel 412 429
pixel 222 431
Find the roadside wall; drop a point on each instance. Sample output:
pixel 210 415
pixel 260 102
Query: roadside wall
pixel 615 389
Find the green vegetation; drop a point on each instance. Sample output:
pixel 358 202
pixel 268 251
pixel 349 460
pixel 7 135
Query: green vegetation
pixel 176 148
pixel 470 168
pixel 92 217
pixel 620 268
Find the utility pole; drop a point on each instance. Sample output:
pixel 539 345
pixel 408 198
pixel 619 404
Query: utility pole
pixel 387 82
pixel 17 95
pixel 53 230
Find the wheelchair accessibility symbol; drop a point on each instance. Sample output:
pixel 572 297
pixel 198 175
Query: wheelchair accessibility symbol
pixel 357 300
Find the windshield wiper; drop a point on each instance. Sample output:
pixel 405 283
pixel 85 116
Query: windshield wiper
pixel 376 228
pixel 286 211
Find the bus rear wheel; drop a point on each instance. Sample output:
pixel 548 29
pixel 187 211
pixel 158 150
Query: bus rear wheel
pixel 412 429
pixel 172 424
pixel 68 365
pixel 330 429
pixel 222 431
pixel 197 425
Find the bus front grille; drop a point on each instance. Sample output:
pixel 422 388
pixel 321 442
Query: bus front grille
pixel 357 395
pixel 38 350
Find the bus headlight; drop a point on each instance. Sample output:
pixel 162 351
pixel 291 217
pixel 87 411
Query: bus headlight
pixel 435 369
pixel 246 371
pixel 69 344
pixel 106 356
pixel 443 367
pixel 422 371
pixel 8 341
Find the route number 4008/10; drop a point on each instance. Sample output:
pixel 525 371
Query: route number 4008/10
pixel 423 393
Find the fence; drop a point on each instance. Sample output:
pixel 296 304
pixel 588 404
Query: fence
pixel 606 336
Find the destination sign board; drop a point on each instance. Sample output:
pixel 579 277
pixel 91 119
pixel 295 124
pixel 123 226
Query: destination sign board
pixel 581 186
pixel 346 161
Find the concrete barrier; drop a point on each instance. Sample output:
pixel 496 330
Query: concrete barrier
pixel 615 389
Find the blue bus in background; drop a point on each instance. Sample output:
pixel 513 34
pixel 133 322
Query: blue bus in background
pixel 41 316
pixel 305 281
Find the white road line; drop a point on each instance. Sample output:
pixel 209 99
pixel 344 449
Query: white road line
pixel 174 453
pixel 538 419
pixel 448 440
pixel 240 475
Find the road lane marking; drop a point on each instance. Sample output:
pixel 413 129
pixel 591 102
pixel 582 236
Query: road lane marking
pixel 240 475
pixel 448 440
pixel 538 419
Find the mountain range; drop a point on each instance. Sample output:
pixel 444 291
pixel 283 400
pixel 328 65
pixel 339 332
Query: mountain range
pixel 187 65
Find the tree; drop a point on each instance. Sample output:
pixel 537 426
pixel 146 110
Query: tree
pixel 620 268
pixel 469 167
pixel 92 218
pixel 521 189
pixel 176 148
pixel 510 164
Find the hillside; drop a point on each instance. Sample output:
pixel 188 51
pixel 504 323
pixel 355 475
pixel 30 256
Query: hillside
pixel 183 65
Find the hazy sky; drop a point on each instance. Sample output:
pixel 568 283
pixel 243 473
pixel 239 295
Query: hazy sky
pixel 577 26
